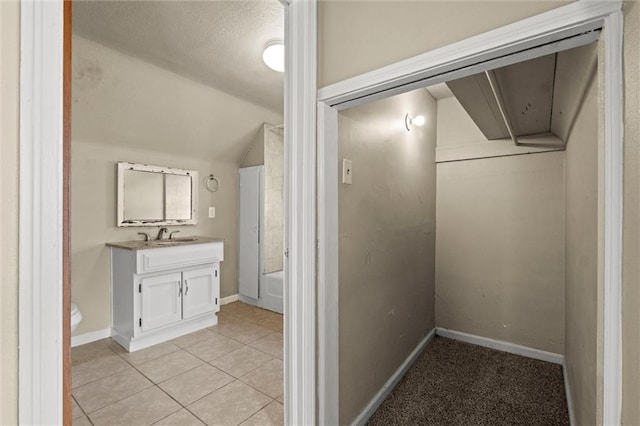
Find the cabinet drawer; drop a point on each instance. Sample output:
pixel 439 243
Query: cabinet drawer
pixel 160 259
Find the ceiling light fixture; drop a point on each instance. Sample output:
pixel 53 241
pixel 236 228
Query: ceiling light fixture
pixel 273 55
pixel 415 121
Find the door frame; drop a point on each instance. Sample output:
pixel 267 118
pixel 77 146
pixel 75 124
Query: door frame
pixel 43 283
pixel 457 60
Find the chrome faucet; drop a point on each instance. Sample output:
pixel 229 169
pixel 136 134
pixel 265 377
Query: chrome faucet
pixel 147 237
pixel 161 233
pixel 171 235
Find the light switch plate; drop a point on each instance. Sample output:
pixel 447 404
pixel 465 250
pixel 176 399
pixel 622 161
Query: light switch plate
pixel 347 171
pixel 212 212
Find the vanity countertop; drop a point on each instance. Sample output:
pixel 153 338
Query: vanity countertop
pixel 144 245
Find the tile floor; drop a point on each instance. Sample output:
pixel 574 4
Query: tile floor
pixel 228 374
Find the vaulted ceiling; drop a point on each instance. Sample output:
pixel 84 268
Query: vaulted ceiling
pixel 218 43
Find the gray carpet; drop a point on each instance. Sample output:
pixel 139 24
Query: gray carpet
pixel 455 383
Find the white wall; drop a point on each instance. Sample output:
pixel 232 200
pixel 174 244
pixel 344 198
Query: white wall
pixel 386 243
pixel 359 36
pixel 9 111
pixel 500 240
pixel 125 109
pixel 500 249
pixel 455 126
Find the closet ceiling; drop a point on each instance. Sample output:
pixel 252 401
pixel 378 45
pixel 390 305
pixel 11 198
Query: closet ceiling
pixel 218 43
pixel 534 95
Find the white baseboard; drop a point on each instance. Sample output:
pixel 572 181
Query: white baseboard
pixel 89 337
pixel 379 397
pixel 228 299
pixel 501 346
pixel 567 391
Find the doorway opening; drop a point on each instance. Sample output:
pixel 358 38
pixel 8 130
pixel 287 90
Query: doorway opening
pixel 498 49
pixel 162 124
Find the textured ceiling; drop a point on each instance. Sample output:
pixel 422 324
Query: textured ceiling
pixel 218 43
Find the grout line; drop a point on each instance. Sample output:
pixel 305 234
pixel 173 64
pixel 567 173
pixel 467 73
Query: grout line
pixel 122 399
pixel 254 414
pixel 81 409
pixel 195 415
pixel 245 373
pixel 153 384
pixel 99 378
pixel 180 348
pixel 177 402
pixel 168 378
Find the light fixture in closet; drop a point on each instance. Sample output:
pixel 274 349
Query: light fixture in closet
pixel 409 121
pixel 273 55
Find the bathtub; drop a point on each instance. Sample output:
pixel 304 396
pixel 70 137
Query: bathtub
pixel 272 291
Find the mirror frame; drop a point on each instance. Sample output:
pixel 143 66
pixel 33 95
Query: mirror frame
pixel 123 166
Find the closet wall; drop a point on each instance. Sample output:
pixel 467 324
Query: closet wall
pixel 499 241
pixel 583 275
pixel 387 243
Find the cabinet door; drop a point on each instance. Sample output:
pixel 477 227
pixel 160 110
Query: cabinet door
pixel 161 301
pixel 200 291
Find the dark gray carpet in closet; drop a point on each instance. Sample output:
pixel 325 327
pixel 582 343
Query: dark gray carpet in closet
pixel 455 383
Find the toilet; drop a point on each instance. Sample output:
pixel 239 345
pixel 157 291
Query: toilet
pixel 76 317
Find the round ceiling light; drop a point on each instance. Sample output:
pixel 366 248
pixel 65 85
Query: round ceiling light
pixel 273 56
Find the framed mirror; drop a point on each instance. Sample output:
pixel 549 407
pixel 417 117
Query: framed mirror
pixel 156 195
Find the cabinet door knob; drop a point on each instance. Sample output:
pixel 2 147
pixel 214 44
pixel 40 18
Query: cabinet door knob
pixel 186 290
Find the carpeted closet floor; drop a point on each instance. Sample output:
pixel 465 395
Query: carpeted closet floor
pixel 455 383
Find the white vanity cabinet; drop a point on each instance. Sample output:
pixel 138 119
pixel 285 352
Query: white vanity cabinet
pixel 161 293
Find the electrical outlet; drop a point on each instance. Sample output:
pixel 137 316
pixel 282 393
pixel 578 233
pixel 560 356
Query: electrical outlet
pixel 212 212
pixel 347 171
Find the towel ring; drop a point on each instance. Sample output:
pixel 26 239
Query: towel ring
pixel 212 183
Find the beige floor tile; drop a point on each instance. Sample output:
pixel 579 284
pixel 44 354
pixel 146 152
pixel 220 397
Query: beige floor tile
pixel 97 368
pixel 272 344
pixel 81 421
pixel 268 379
pixel 280 399
pixel 254 316
pixel 241 361
pixel 148 354
pixel 115 346
pixel 230 405
pixel 223 316
pixel 270 315
pixel 237 309
pixel 214 348
pixel 143 408
pixel 163 368
pixel 194 384
pixel 273 323
pixel 108 390
pixel 193 338
pixel 271 415
pixel 76 411
pixel 180 418
pixel 240 330
pixel 87 352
